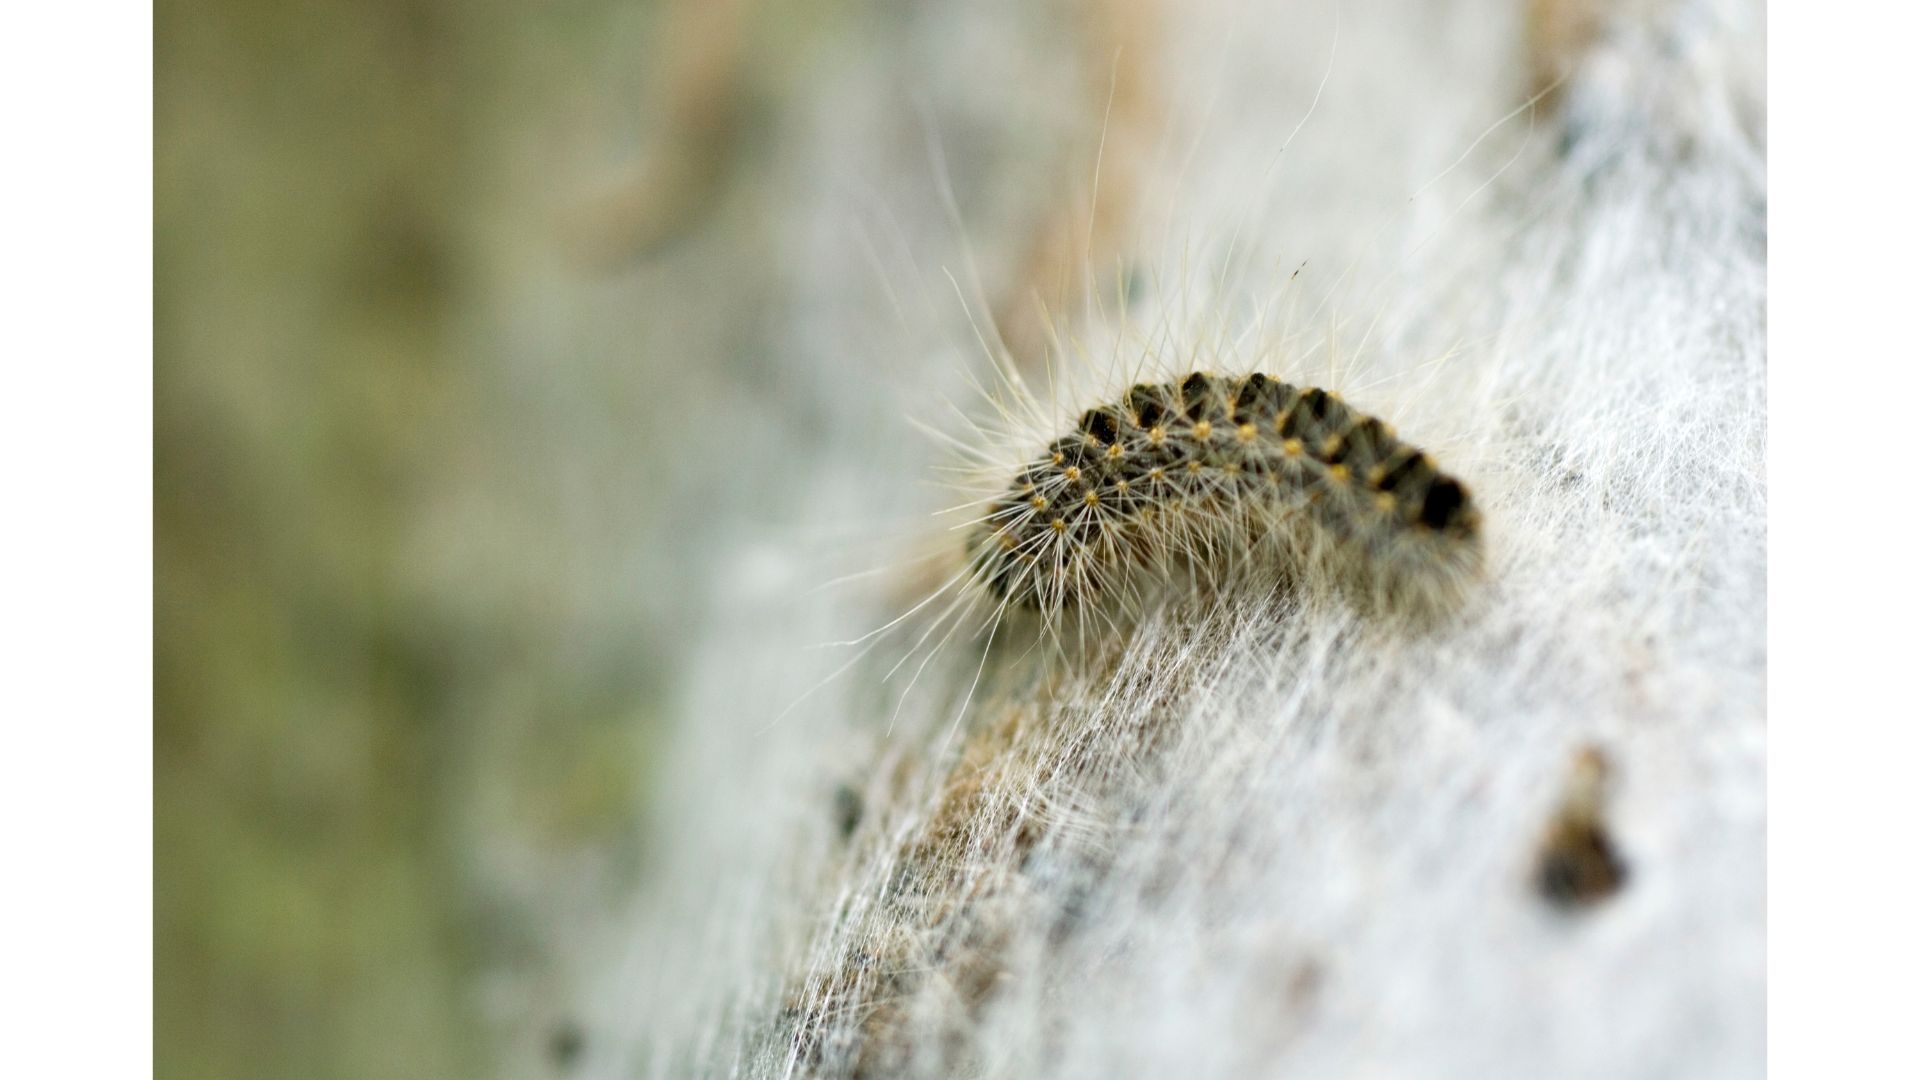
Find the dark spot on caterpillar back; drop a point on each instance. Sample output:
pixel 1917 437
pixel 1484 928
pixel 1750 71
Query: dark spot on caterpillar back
pixel 1412 468
pixel 1149 404
pixel 1257 396
pixel 1201 398
pixel 1101 426
pixel 1445 501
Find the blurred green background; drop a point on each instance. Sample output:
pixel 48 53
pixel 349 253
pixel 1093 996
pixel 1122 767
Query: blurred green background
pixel 408 660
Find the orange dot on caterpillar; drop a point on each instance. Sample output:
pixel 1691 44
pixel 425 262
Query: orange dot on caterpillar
pixel 1307 485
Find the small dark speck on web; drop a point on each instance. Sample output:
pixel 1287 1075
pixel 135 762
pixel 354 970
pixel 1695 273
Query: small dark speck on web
pixel 848 809
pixel 1579 865
pixel 565 1043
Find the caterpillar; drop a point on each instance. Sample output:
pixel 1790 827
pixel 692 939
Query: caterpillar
pixel 1215 475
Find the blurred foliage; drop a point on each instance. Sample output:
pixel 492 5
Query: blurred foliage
pixel 319 173
pixel 306 173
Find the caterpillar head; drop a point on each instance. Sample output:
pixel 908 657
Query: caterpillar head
pixel 1033 549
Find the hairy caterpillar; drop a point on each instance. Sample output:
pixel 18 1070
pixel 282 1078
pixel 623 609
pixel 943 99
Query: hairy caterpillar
pixel 1211 473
